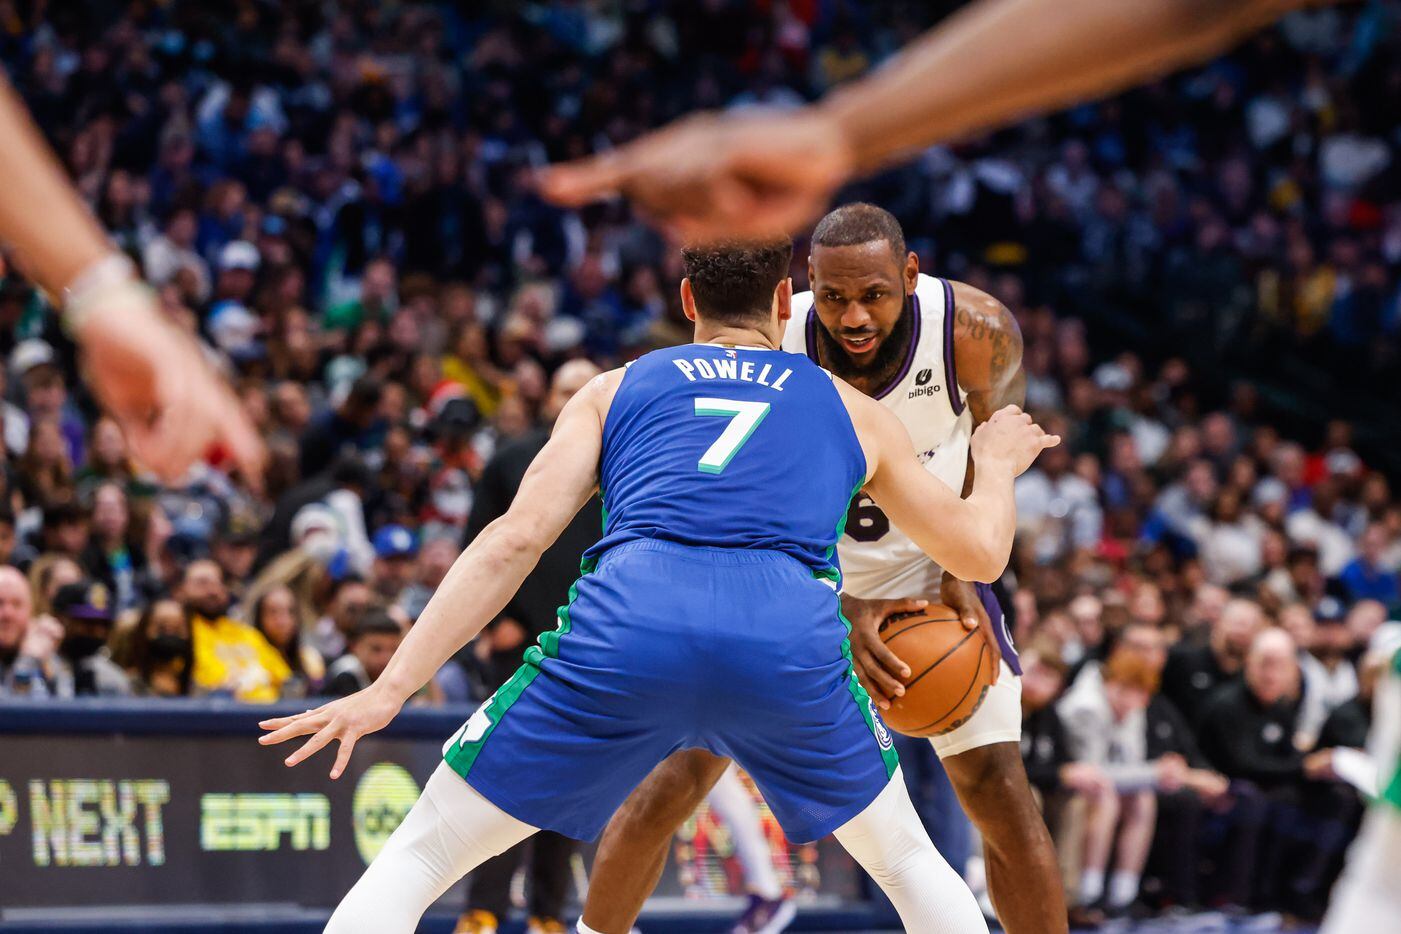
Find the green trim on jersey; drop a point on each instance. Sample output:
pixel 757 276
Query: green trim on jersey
pixel 461 753
pixel 853 683
pixel 1391 791
pixel 868 709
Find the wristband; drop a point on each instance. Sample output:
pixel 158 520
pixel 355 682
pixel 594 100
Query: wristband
pixel 113 272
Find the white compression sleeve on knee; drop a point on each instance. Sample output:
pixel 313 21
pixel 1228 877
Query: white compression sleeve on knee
pixel 585 929
pixel 449 832
pixel 731 802
pixel 891 844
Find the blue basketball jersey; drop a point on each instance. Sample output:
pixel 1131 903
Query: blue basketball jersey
pixel 700 443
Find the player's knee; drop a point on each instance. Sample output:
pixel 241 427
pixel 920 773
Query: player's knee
pixel 994 791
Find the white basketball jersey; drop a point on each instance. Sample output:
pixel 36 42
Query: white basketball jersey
pixel 877 560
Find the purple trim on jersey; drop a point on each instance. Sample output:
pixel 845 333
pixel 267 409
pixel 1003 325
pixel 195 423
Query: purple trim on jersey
pixel 950 371
pixel 810 332
pixel 999 627
pixel 909 354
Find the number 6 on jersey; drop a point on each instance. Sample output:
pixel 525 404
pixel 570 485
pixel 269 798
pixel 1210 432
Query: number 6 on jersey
pixel 744 418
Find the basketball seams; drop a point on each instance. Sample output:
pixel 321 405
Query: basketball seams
pixel 942 658
pixel 977 670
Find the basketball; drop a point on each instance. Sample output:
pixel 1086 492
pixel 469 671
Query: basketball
pixel 951 669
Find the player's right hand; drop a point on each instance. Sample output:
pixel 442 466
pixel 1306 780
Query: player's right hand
pixel 155 381
pixel 345 720
pixel 880 670
pixel 1010 437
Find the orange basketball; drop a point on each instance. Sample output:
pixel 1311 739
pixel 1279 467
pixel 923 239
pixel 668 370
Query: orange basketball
pixel 951 669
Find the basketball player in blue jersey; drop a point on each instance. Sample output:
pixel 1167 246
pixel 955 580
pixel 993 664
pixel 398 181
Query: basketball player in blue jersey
pixel 707 617
pixel 942 357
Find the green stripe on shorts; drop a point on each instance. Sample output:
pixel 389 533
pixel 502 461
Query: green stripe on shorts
pixel 879 731
pixel 466 744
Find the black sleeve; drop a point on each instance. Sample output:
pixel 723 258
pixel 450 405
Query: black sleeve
pixel 1044 772
pixel 1346 726
pixel 1228 742
pixel 342 685
pixel 1183 742
pixel 490 499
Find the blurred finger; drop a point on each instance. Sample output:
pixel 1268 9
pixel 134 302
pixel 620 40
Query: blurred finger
pixel 311 747
pixel 584 180
pixel 236 431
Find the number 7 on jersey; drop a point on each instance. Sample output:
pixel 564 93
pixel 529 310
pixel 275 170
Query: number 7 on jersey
pixel 744 418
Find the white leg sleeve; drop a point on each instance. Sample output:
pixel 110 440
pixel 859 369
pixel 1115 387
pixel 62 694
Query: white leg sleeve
pixel 1367 899
pixel 449 832
pixel 730 802
pixel 891 844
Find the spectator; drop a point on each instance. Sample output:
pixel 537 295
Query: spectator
pixel 1193 672
pixel 1329 678
pixel 159 657
pixel 1104 720
pixel 110 556
pixel 84 666
pixel 1366 577
pixel 395 551
pixel 372 643
pixel 230 657
pixel 350 597
pixel 28 645
pixel 275 614
pixel 1058 512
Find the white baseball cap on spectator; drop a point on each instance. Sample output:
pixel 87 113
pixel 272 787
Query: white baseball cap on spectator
pixel 29 354
pixel 239 254
pixel 1113 377
pixel 235 330
pixel 1269 491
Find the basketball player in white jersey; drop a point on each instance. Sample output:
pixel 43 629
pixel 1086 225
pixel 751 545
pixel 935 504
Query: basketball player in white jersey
pixel 943 356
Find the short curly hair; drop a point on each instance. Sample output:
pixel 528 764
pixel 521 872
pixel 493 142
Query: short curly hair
pixel 860 222
pixel 733 281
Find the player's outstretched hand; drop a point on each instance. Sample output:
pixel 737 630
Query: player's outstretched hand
pixel 718 175
pixel 155 381
pixel 344 720
pixel 880 671
pixel 1012 438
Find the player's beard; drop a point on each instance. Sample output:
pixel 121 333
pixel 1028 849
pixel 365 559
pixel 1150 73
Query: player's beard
pixel 884 362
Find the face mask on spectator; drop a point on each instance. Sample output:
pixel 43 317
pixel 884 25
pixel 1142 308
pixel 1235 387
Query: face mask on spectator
pixel 166 647
pixel 79 646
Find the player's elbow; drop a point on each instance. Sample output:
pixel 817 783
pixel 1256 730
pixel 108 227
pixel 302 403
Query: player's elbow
pixel 513 539
pixel 983 563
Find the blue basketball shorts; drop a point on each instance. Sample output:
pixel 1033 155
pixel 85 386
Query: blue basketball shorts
pixel 665 647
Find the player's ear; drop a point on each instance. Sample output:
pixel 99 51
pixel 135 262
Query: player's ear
pixel 911 272
pixel 688 299
pixel 783 299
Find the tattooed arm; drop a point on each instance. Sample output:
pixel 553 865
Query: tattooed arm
pixel 987 353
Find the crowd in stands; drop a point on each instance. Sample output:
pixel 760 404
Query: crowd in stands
pixel 336 198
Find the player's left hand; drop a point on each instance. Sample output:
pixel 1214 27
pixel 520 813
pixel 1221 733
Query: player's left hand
pixel 344 720
pixel 962 598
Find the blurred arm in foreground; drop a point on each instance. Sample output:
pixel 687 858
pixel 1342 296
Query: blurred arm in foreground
pixel 721 174
pixel 147 374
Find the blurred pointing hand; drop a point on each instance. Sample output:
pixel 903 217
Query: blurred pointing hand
pixel 718 175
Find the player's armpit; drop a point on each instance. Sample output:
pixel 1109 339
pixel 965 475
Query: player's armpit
pixel 564 474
